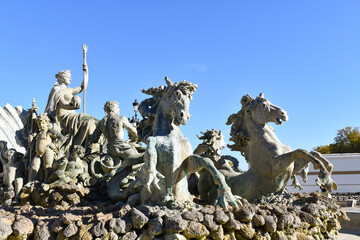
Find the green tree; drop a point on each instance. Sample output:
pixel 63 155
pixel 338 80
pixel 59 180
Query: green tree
pixel 347 140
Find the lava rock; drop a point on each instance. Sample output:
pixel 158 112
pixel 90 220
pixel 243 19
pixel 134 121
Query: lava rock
pixel 117 225
pixel 22 227
pixel 68 218
pixel 208 210
pixel 209 222
pixel 232 224
pixel 104 217
pixel 220 217
pixel 217 234
pixel 193 216
pixel 174 224
pixel 73 198
pixel 138 218
pixel 42 231
pixel 279 210
pixel 270 224
pixel 125 211
pixel 174 236
pixel 155 226
pixel 145 236
pixel 195 230
pixel 129 236
pixel 57 226
pixel 285 221
pixel 70 230
pixel 111 236
pixel 306 217
pixel 312 208
pixel 99 229
pixel 5 229
pixel 84 232
pixel 56 197
pixel 247 231
pixel 245 214
pixel 258 220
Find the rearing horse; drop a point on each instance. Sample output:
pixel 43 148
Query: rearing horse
pixel 169 157
pixel 271 163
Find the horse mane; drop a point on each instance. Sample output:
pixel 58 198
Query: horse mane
pixel 239 133
pixel 148 107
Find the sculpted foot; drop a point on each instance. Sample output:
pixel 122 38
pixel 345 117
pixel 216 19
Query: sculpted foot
pixel 296 183
pixel 304 172
pixel 324 180
pixel 225 197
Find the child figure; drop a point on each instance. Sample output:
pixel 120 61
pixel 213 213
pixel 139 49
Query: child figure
pixel 45 147
pixel 13 171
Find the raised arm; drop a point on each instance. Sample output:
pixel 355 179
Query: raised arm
pixel 84 83
pixel 77 90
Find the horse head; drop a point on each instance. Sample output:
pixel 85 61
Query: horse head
pixel 262 111
pixel 176 101
pixel 169 103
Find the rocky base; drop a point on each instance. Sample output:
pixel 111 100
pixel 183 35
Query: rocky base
pixel 70 194
pixel 309 217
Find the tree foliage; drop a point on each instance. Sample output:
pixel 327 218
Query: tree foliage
pixel 347 140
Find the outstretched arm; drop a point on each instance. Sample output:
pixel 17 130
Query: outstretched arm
pixel 130 128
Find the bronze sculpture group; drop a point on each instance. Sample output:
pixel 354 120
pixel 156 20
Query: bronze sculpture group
pixel 65 146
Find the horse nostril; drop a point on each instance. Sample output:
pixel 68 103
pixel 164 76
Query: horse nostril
pixel 282 113
pixel 181 114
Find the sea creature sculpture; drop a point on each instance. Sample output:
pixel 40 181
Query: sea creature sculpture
pixel 169 157
pixel 271 163
pixel 213 142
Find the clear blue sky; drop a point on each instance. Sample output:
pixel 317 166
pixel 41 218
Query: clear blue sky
pixel 303 55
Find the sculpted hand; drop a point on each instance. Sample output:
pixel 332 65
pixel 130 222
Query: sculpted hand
pixel 76 105
pixel 85 81
pixel 75 102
